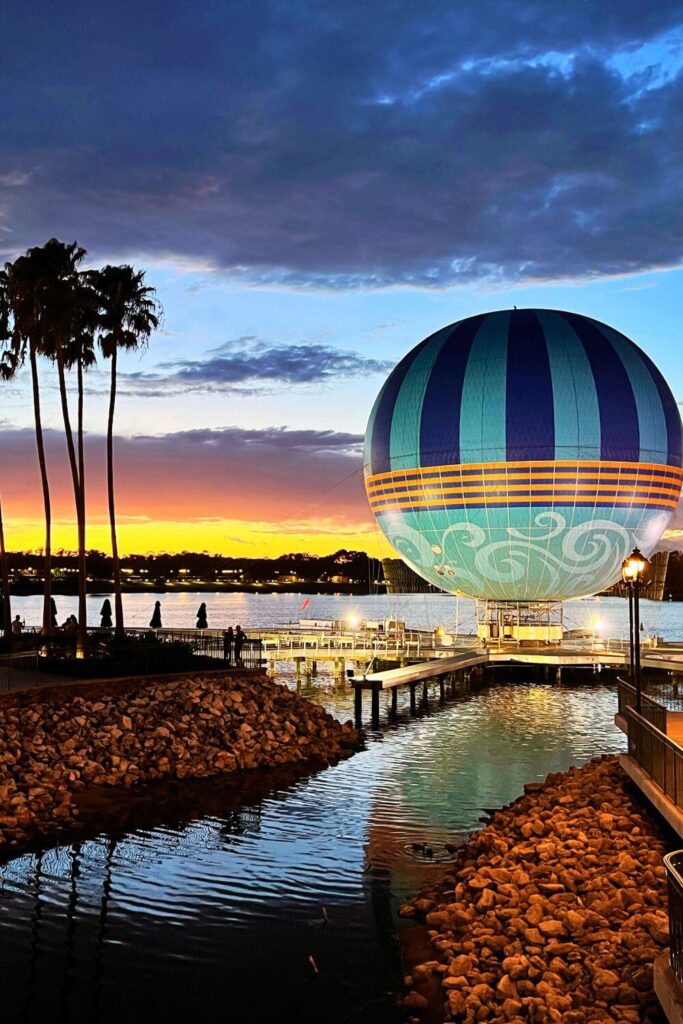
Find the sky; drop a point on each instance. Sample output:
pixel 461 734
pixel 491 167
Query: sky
pixel 313 187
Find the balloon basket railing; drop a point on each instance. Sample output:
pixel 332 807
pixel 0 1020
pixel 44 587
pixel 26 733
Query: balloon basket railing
pixel 514 622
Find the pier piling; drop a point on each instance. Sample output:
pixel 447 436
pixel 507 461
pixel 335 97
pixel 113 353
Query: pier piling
pixel 374 714
pixel 358 706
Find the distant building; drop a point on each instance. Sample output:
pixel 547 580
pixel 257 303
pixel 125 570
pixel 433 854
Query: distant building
pixel 400 579
pixel 654 589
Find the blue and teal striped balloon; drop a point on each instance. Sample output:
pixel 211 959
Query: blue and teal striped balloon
pixel 520 455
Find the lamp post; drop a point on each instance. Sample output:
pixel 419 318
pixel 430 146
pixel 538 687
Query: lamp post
pixel 634 572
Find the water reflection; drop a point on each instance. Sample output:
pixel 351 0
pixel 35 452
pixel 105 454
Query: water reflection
pixel 205 896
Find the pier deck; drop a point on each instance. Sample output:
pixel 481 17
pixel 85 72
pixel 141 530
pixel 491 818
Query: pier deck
pixel 436 669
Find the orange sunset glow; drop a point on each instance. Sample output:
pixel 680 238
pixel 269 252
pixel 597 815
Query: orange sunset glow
pixel 177 492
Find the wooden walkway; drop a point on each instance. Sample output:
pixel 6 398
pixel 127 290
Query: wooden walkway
pixel 424 672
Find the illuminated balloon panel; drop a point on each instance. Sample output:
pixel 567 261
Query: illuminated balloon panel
pixel 520 455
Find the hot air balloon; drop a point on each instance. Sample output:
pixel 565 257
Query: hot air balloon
pixel 520 455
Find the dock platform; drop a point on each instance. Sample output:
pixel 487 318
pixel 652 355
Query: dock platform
pixel 423 672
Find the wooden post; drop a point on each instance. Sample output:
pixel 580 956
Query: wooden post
pixel 394 701
pixel 442 690
pixel 425 692
pixel 558 675
pixel 375 706
pixel 413 707
pixel 358 706
pixel 297 662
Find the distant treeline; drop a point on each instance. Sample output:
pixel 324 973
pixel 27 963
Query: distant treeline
pixel 355 566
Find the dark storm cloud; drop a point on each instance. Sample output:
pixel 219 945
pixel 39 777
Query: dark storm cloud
pixel 348 144
pixel 293 364
pixel 245 365
pixel 245 442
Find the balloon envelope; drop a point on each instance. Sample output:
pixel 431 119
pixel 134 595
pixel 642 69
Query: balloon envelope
pixel 520 455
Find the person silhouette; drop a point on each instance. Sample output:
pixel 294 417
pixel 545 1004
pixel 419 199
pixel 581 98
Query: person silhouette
pixel 105 613
pixel 201 617
pixel 240 637
pixel 228 641
pixel 155 621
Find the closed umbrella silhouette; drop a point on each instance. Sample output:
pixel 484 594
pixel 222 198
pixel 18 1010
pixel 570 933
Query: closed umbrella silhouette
pixel 105 613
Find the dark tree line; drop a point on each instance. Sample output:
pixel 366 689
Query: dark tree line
pixel 357 566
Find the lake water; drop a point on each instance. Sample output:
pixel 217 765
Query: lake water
pixel 207 906
pixel 608 616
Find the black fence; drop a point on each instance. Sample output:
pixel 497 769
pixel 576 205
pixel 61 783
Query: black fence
pixel 22 671
pixel 657 755
pixel 208 643
pixel 141 652
pixel 651 710
pixel 674 866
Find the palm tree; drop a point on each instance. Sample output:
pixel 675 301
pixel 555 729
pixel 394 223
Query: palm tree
pixel 8 367
pixel 128 312
pixel 67 339
pixel 21 289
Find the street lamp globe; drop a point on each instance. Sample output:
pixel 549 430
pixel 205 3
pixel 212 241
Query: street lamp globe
pixel 635 568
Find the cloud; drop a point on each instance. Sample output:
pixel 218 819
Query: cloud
pixel 255 475
pixel 290 364
pixel 244 365
pixel 357 145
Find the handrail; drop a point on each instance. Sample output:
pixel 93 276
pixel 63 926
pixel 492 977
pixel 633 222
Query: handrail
pixel 658 755
pixel 652 710
pixel 672 862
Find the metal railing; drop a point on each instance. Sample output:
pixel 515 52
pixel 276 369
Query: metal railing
pixel 673 862
pixel 211 643
pixel 287 642
pixel 22 671
pixel 657 755
pixel 668 693
pixel 27 669
pixel 651 710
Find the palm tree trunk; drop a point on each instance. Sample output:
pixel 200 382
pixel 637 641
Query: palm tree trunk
pixel 4 574
pixel 47 605
pixel 116 564
pixel 71 448
pixel 82 568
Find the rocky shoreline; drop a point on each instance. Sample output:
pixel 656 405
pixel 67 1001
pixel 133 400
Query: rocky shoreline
pixel 58 743
pixel 554 912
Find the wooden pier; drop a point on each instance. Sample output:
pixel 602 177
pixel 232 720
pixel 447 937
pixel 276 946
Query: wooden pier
pixel 441 669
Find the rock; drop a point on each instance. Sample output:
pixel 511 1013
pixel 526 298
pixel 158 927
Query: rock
pixel 415 1001
pixel 461 965
pixel 456 1004
pixel 551 927
pixel 507 987
pixel 56 742
pixel 556 908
